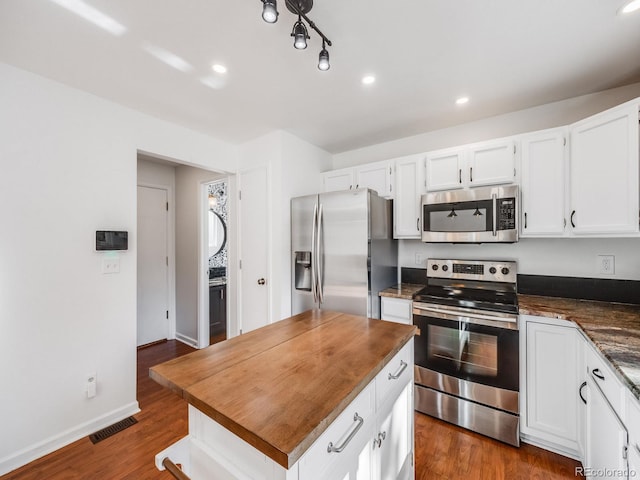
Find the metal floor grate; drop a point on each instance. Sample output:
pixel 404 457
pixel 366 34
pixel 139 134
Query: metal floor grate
pixel 112 429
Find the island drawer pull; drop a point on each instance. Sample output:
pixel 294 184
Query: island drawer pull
pixel 356 418
pixel 403 367
pixel 637 448
pixel 173 469
pixel 596 373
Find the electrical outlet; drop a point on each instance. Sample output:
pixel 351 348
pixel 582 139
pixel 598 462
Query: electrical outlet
pixel 606 264
pixel 92 385
pixel 418 259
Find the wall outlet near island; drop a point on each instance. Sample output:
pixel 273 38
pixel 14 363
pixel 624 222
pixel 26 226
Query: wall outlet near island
pixel 92 384
pixel 607 264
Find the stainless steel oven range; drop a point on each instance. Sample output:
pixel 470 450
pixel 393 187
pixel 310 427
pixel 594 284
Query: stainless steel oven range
pixel 467 353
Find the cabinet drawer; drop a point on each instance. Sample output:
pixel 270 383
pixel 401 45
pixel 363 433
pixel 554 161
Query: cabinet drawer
pixel 603 376
pixel 395 375
pixel 396 309
pixel 633 421
pixel 317 460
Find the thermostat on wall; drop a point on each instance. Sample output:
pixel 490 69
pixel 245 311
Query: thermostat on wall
pixel 111 240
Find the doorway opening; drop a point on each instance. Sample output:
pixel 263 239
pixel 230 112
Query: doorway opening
pixel 217 258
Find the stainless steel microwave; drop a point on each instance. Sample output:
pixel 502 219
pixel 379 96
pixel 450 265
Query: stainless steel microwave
pixel 477 215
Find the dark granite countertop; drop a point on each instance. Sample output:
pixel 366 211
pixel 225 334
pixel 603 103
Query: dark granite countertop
pixel 614 328
pixel 403 290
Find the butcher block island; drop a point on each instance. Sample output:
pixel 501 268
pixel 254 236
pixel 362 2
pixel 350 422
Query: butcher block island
pixel 321 395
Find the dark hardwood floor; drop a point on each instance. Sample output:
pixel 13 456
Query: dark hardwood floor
pixel 443 451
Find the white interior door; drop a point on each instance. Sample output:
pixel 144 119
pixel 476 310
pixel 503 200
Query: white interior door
pixel 254 248
pixel 153 292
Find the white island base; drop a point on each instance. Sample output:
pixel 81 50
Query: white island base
pixel 371 439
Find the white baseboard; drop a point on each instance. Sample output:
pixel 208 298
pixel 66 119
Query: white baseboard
pixel 40 449
pixel 187 340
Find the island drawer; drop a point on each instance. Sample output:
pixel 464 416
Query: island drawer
pixel 353 428
pixel 395 375
pixel 603 376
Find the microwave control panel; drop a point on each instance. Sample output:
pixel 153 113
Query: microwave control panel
pixel 506 214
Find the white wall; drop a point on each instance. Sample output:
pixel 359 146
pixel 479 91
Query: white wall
pixel 538 256
pixel 189 182
pixel 537 118
pixel 69 168
pixel 294 169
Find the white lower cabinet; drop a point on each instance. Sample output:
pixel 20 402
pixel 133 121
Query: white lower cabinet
pixel 633 424
pixel 396 310
pixel 371 439
pixel 552 374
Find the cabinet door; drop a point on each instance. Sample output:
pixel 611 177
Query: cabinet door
pixel 606 436
pixel 396 310
pixel 336 180
pixel 444 169
pixel 492 163
pixel 543 183
pixel 604 172
pixel 552 384
pixel 376 176
pixel 409 188
pixel 634 461
pixel 392 446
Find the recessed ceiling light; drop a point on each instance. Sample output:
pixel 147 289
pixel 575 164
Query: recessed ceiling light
pixel 462 100
pixel 631 6
pixel 368 79
pixel 92 15
pixel 219 68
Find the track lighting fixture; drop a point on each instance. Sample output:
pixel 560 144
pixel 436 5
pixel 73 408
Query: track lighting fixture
pixel 299 33
pixel 269 11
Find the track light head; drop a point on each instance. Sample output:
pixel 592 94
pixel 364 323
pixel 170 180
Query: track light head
pixel 269 11
pixel 300 35
pixel 323 59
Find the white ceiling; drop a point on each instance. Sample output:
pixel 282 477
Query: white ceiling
pixel 505 55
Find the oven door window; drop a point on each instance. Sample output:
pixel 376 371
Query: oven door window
pixel 476 216
pixel 477 353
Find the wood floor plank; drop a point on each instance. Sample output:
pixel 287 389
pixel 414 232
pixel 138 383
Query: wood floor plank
pixel 443 451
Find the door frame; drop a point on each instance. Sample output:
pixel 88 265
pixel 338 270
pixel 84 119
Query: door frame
pixel 171 254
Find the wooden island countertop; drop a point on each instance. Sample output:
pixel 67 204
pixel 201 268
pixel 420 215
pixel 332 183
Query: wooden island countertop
pixel 279 387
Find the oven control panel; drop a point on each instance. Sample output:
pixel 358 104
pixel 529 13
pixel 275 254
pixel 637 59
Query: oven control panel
pixel 483 270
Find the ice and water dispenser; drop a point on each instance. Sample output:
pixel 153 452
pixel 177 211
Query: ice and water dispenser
pixel 303 271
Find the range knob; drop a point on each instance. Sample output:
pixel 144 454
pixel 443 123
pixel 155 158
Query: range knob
pixel 434 267
pixel 492 270
pixel 505 271
pixel 445 268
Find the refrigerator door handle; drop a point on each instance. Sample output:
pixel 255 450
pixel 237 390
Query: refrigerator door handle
pixel 314 285
pixel 319 257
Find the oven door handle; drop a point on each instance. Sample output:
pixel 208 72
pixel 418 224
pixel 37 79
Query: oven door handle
pixel 473 318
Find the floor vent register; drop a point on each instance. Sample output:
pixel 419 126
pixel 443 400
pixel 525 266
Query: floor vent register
pixel 112 429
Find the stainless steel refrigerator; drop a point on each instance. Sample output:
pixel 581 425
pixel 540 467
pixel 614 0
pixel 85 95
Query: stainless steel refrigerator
pixel 343 252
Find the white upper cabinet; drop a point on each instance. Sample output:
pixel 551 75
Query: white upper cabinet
pixel 335 180
pixel 492 163
pixel 409 173
pixel 543 183
pixel 604 173
pixel 444 169
pixel 377 176
pixel 486 163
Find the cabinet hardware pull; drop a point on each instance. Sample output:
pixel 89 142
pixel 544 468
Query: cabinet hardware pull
pixel 471 174
pixel 572 214
pixel 584 400
pixel 377 442
pixel 637 447
pixel 173 469
pixel 525 219
pixel 460 175
pixel 261 281
pixel 596 373
pixel 403 367
pixel 356 418
pixel 357 186
pixel 418 224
